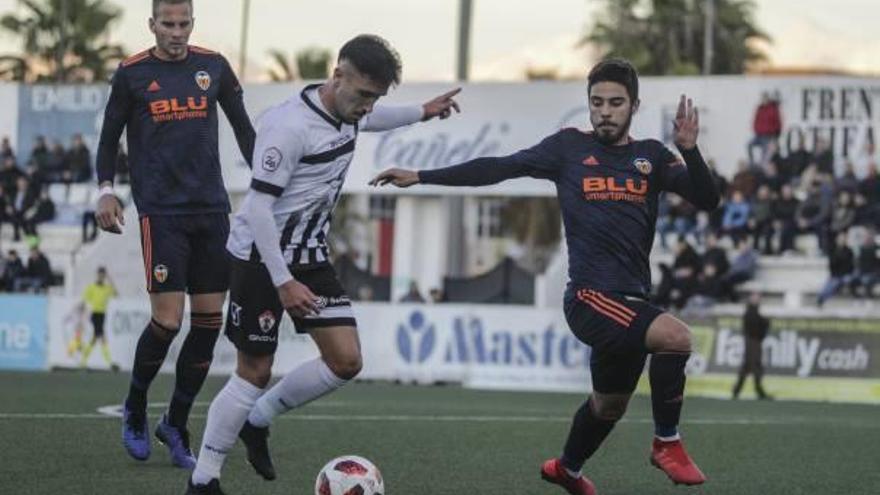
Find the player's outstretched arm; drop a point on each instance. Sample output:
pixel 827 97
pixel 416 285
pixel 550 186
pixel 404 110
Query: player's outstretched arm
pixel 441 106
pixel 697 185
pixel 540 161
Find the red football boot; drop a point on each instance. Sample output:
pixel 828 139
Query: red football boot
pixel 552 471
pixel 672 459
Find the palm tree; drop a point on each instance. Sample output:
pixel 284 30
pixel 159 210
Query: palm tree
pixel 62 41
pixel 311 63
pixel 667 37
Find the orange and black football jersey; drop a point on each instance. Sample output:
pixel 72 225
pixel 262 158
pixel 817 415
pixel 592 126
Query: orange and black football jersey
pixel 169 109
pixel 608 196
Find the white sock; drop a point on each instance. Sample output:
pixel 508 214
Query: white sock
pixel 304 384
pixel 573 474
pixel 226 416
pixel 668 439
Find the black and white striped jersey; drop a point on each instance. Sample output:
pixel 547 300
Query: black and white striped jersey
pixel 301 156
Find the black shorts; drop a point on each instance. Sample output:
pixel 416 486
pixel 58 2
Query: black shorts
pixel 186 252
pixel 98 325
pixel 615 327
pixel 255 311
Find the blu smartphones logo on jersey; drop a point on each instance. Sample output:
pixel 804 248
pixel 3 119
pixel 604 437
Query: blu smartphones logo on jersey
pixel 415 341
pixel 170 109
pixel 615 189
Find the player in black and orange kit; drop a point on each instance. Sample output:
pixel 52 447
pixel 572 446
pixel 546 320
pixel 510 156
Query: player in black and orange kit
pixel 608 185
pixel 167 99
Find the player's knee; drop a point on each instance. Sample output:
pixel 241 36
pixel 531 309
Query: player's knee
pixel 609 408
pixel 668 334
pixel 164 329
pixel 257 370
pixel 346 366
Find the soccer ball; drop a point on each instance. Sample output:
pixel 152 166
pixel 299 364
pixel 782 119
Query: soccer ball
pixel 349 475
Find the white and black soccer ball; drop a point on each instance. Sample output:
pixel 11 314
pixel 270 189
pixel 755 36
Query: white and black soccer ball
pixel 349 475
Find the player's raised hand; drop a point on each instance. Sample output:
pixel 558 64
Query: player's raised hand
pixel 297 299
pixel 686 124
pixel 441 106
pixel 109 214
pixel 397 176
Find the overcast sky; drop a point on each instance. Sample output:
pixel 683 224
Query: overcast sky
pixel 508 35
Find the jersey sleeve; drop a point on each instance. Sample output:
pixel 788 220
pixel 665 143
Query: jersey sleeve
pixel 231 100
pixel 690 179
pixel 116 115
pixel 277 151
pixel 541 161
pixel 384 118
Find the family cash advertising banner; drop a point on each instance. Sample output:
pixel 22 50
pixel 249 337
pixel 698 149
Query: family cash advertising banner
pixel 511 348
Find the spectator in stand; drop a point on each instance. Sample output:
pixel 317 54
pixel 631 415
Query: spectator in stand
pixel 5 217
pixel 14 269
pixel 843 215
pixel 761 220
pixel 814 213
pixel 38 274
pixel 847 181
pixel 6 149
pixel 80 160
pixel 797 161
pixel 743 268
pixel 9 174
pixel 413 294
pixel 867 266
pixel 746 180
pixel 677 283
pixel 43 210
pixel 715 255
pixel 825 157
pixel 784 225
pixel 56 167
pixel 841 268
pixel 869 187
pixel 772 178
pixel 36 178
pixel 767 127
pixel 40 152
pixel 436 295
pixel 736 217
pixel 709 288
pixel 772 155
pixel 19 203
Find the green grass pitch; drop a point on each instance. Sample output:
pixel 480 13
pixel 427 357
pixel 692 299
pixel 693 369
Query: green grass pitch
pixel 435 440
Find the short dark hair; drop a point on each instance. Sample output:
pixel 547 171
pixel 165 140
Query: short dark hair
pixel 616 70
pixel 171 2
pixel 374 57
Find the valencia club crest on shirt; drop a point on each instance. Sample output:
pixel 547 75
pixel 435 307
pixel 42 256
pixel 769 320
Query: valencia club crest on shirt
pixel 161 273
pixel 203 79
pixel 643 165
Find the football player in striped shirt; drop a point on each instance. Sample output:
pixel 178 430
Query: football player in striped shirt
pixel 280 258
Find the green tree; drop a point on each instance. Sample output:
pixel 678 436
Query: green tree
pixel 62 41
pixel 311 63
pixel 662 37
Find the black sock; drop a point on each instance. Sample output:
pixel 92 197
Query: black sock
pixel 193 364
pixel 588 431
pixel 152 347
pixel 667 390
